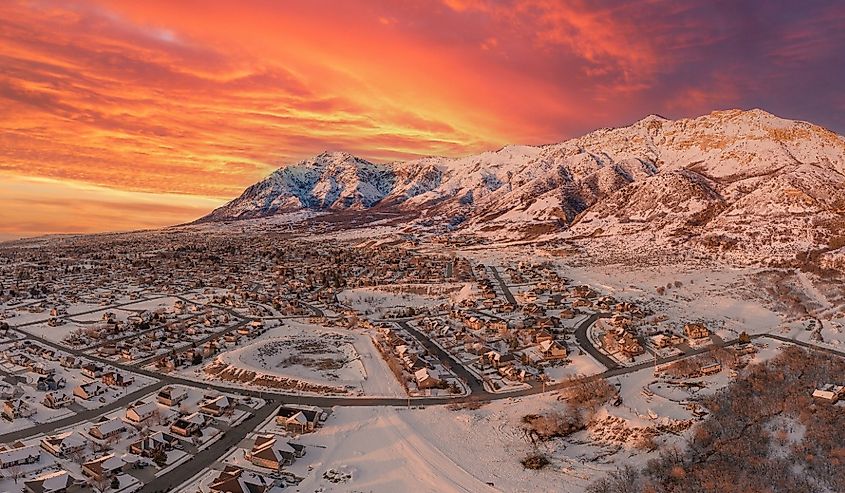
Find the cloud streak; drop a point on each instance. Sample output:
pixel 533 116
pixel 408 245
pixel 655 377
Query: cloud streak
pixel 153 97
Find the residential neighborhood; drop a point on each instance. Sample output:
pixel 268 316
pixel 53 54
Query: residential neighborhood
pixel 264 369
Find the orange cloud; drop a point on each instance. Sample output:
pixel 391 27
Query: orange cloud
pixel 200 98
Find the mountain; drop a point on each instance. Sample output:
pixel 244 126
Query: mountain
pixel 730 181
pixel 328 181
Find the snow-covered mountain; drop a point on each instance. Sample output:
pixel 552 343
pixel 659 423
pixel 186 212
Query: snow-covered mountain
pixel 728 180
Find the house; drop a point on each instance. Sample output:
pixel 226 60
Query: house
pixel 17 408
pixel 427 379
pixel 57 400
pixel 660 341
pixel 299 420
pixel 49 383
pixel 188 425
pixel 711 369
pixel 19 456
pixel 218 406
pixel 41 369
pixel 171 396
pixel 696 331
pixel 273 453
pixel 20 359
pixel 108 349
pixel 91 370
pixel 829 392
pixel 512 373
pixel 141 411
pixel 53 482
pixel 499 360
pixel 104 467
pixel 7 391
pixel 154 444
pixel 234 479
pixel 620 341
pixel 116 379
pixel 106 428
pixel 89 390
pixel 64 444
pixel 69 361
pixel 552 350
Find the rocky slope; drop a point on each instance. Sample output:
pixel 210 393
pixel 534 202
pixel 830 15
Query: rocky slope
pixel 728 181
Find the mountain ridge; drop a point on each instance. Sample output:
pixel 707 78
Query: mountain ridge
pixel 704 178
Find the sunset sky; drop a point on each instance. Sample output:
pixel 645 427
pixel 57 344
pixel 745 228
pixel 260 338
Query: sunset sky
pixel 118 115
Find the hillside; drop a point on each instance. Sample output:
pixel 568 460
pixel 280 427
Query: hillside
pixel 730 181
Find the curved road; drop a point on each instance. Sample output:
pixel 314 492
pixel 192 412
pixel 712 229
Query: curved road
pixel 233 436
pixel 587 345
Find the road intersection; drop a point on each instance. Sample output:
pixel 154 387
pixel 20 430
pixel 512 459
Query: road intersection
pixel 478 392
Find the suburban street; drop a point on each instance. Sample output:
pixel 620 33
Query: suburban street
pixel 476 386
pixel 587 345
pixel 504 287
pixel 207 457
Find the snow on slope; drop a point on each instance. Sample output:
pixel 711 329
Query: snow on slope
pixel 724 181
pixel 327 181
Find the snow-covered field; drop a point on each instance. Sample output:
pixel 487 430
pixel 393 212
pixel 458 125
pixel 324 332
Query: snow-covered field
pixel 382 450
pixel 317 355
pixel 373 301
pixel 439 449
pixel 55 334
pixel 580 365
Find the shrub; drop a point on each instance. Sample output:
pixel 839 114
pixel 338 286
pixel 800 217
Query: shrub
pixel 535 461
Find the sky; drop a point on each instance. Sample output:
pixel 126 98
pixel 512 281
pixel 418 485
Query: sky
pixel 120 114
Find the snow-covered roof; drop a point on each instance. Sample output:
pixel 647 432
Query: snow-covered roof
pixel 53 481
pixel 144 410
pixel 21 453
pixel 68 439
pixel 298 418
pixel 109 426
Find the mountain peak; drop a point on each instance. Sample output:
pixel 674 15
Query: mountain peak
pixel 678 176
pixel 653 117
pixel 335 155
pixel 328 158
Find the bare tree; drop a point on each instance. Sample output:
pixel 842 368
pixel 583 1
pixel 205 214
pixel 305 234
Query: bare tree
pixel 16 472
pixel 77 455
pixel 100 483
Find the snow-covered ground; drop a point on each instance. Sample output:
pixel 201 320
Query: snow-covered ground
pixel 374 301
pixel 55 334
pixel 317 355
pixel 382 450
pixel 580 365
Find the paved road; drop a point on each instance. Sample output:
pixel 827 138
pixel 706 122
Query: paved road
pixel 808 345
pixel 587 345
pixel 476 386
pixel 207 457
pixel 315 310
pixel 505 290
pixel 87 415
